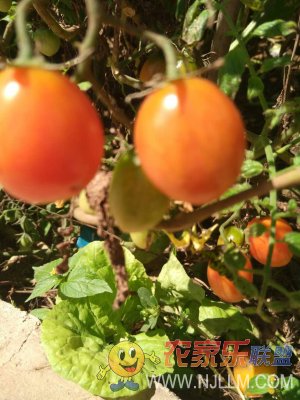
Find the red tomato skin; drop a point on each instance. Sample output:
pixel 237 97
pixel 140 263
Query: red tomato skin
pixel 190 140
pixel 259 245
pixel 51 136
pixel 225 288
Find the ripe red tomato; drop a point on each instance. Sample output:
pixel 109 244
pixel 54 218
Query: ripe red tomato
pixel 259 245
pixel 225 288
pixel 51 136
pixel 190 140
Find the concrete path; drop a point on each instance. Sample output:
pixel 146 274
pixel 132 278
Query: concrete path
pixel 24 370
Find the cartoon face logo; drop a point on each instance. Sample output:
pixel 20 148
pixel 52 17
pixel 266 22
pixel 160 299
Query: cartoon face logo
pixel 126 359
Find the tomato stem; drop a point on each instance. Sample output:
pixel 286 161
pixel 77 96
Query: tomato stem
pixel 23 39
pixel 95 17
pixel 161 41
pixel 273 203
pixel 168 50
pixel 182 221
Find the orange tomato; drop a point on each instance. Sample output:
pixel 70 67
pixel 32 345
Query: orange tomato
pixel 190 140
pixel 225 288
pixel 51 136
pixel 243 372
pixel 259 245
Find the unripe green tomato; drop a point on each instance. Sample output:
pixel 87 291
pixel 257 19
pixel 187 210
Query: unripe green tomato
pixel 232 234
pixel 5 5
pixel 134 202
pixel 46 41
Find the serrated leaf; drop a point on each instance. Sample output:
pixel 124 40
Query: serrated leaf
pixel 251 168
pixel 43 285
pixel 230 75
pixel 293 241
pixel 273 28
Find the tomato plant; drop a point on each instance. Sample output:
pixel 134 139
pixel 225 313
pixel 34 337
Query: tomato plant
pixel 224 287
pixel 46 41
pixel 259 245
pixel 190 139
pixel 51 136
pixel 244 371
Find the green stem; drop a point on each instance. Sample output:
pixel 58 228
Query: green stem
pixel 241 43
pixel 273 203
pixel 169 53
pixel 23 39
pixel 95 18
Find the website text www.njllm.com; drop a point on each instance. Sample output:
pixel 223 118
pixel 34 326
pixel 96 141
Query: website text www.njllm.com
pixel 188 381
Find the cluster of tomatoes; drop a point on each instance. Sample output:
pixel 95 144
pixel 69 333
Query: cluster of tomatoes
pixel 223 287
pixel 52 138
pixel 189 138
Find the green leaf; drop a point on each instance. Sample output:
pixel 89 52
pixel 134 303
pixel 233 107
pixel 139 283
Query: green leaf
pixel 43 285
pixel 219 318
pixel 230 75
pixel 257 229
pixel 290 388
pixel 293 241
pixel 194 28
pixel 77 337
pixel 92 262
pixel 173 283
pixel 251 168
pixel 256 5
pixel 259 384
pixel 83 287
pixel 137 276
pixel 255 87
pixel 271 63
pixel 273 28
pixel 146 298
pixel 45 270
pixel 40 313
